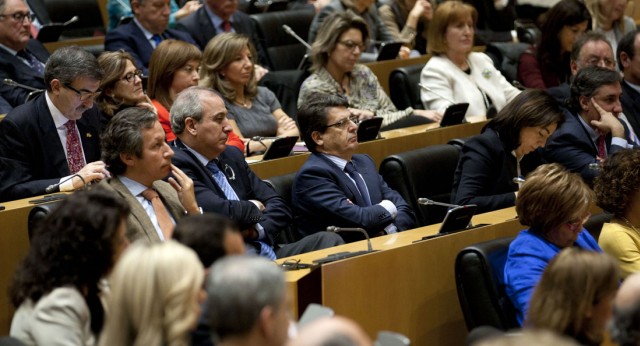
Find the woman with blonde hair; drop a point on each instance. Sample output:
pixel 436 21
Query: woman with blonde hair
pixel 609 19
pixel 228 67
pixel 575 295
pixel 156 292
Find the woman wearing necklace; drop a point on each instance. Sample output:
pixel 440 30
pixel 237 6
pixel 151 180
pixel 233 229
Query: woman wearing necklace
pixel 617 189
pixel 342 38
pixel 455 74
pixel 228 67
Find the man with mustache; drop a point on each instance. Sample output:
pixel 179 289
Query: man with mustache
pixel 55 138
pixel 337 187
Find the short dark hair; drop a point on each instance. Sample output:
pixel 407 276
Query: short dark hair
pixel 531 108
pixel 312 115
pixel 627 45
pixel 589 36
pixel 618 182
pixel 587 82
pixel 123 135
pixel 204 234
pixel 69 63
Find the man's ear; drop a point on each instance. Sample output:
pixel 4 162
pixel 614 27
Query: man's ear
pixel 584 102
pixel 267 322
pixel 574 67
pixel 55 86
pixel 127 159
pixel 625 59
pixel 134 6
pixel 190 126
pixel 316 136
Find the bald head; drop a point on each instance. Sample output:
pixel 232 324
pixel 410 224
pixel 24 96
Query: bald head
pixel 629 292
pixel 331 331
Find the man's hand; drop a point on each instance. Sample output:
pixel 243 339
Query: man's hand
pixel 258 204
pixel 184 186
pixel 607 123
pixel 250 233
pixel 92 171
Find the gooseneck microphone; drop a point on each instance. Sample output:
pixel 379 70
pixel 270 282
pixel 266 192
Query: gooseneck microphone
pixel 334 229
pixel 52 187
pixel 426 201
pixel 11 82
pixel 293 34
pixel 260 138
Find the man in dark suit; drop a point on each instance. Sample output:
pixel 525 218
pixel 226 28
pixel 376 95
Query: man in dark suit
pixel 336 187
pixel 223 181
pixel 55 137
pixel 134 148
pixel 144 33
pixel 591 130
pixel 22 59
pixel 629 63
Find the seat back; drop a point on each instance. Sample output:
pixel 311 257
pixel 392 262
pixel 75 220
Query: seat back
pixel 425 172
pixel 506 56
pixel 283 185
pixel 283 51
pixel 479 272
pixel 403 87
pixel 90 20
pixel 37 215
pixel 595 223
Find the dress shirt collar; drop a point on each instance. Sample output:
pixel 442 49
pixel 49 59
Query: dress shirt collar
pixel 592 133
pixel 215 20
pixel 340 162
pixel 203 160
pixel 633 86
pixel 58 118
pixel 11 51
pixel 146 32
pixel 133 186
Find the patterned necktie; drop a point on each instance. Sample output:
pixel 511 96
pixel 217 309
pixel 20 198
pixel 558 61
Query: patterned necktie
pixel 156 39
pixel 164 220
pixel 602 147
pixel 74 148
pixel 35 64
pixel 226 26
pixel 362 187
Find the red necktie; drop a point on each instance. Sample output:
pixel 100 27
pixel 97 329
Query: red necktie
pixel 74 148
pixel 602 147
pixel 164 220
pixel 226 26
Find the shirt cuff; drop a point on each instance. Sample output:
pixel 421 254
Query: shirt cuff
pixel 390 207
pixel 391 228
pixel 260 231
pixel 67 185
pixel 621 142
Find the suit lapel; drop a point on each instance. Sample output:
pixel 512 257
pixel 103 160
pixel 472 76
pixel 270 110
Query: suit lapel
pixel 165 191
pixel 370 179
pixel 50 138
pixel 137 211
pixel 344 180
pixel 88 136
pixel 204 171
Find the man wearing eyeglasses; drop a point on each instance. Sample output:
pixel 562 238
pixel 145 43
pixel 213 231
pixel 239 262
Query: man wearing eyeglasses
pixel 52 142
pixel 337 187
pixel 22 58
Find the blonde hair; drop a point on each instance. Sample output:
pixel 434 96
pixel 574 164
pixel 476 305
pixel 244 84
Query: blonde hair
pixel 153 301
pixel 113 65
pixel 218 54
pixel 598 17
pixel 573 282
pixel 447 14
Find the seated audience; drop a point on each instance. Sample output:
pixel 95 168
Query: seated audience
pixel 335 186
pixel 223 181
pixel 156 292
pixel 335 69
pixel 149 27
pixel 118 9
pixel 617 189
pixel 506 149
pixel 228 67
pixel 624 328
pixel 454 73
pixel 22 58
pixel 547 64
pixel 121 85
pixel 55 138
pixel 591 130
pixel 134 149
pixel 257 314
pixel 609 19
pixel 629 64
pixel 333 330
pixel 57 288
pixel 575 295
pixel 407 21
pixel 554 204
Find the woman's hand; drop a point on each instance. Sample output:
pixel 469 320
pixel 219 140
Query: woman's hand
pixel 147 104
pixel 361 113
pixel 433 115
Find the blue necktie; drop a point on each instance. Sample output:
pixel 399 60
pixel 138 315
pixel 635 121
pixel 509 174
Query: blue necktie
pixel 157 39
pixel 31 59
pixel 360 184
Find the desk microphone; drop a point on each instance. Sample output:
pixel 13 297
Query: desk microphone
pixel 71 21
pixel 260 138
pixel 426 88
pixel 293 34
pixel 11 82
pixel 334 229
pixel 51 188
pixel 426 201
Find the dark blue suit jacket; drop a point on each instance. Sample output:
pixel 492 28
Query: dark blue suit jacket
pixel 130 38
pixel 245 183
pixel 324 196
pixel 13 68
pixel 631 106
pixel 486 170
pixel 31 155
pixel 572 147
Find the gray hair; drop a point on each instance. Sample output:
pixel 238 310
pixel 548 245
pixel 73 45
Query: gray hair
pixel 67 64
pixel 589 36
pixel 587 82
pixel 123 135
pixel 239 288
pixel 189 104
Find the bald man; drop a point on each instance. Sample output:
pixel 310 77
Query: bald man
pixel 625 326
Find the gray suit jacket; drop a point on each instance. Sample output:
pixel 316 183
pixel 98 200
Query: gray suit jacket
pixel 139 224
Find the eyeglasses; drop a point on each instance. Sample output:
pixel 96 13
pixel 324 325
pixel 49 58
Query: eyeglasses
pixel 351 45
pixel 84 94
pixel 294 264
pixel 19 16
pixel 131 76
pixel 581 221
pixel 342 124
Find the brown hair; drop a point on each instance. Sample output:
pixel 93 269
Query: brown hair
pixel 167 58
pixel 618 182
pixel 113 65
pixel 446 14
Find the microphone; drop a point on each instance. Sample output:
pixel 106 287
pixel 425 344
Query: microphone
pixel 293 34
pixel 518 180
pixel 51 188
pixel 426 88
pixel 426 201
pixel 260 138
pixel 11 82
pixel 71 21
pixel 334 229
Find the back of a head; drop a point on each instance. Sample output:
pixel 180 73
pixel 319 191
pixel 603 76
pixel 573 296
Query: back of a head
pixel 331 331
pixel 205 234
pixel 625 324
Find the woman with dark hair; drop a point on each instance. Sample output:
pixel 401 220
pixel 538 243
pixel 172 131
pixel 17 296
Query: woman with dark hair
pixel 617 189
pixel 506 149
pixel 57 287
pixel 546 64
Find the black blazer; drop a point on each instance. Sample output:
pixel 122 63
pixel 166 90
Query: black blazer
pixel 631 106
pixel 13 68
pixel 246 185
pixel 31 155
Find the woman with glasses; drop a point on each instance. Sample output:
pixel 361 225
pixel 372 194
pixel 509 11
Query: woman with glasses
pixel 335 53
pixel 617 189
pixel 228 67
pixel 121 85
pixel 554 204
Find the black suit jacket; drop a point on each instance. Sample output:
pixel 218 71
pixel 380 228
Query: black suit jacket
pixel 202 30
pixel 13 68
pixel 630 100
pixel 31 155
pixel 130 38
pixel 246 185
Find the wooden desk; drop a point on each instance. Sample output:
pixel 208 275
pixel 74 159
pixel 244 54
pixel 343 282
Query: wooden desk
pixel 84 41
pixel 408 288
